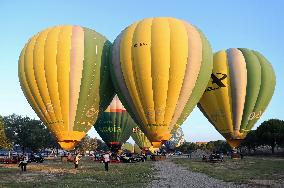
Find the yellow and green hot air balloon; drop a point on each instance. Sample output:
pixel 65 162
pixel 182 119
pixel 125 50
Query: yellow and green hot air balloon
pixel 160 68
pixel 140 139
pixel 114 125
pixel 64 74
pixel 241 86
pixel 137 149
pixel 4 141
pixel 128 147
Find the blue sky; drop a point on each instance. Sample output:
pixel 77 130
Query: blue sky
pixel 252 24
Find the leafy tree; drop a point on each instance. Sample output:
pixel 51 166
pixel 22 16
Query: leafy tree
pixel 271 133
pixel 4 141
pixel 210 146
pixel 102 145
pixel 202 146
pixel 218 146
pixel 192 146
pixel 28 133
pixel 187 147
pixel 251 141
pixel 87 144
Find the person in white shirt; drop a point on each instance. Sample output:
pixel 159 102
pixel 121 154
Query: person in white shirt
pixel 106 159
pixel 23 163
pixel 76 160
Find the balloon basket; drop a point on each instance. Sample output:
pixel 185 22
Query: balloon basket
pixel 235 156
pixel 158 157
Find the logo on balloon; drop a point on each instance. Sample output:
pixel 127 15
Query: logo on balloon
pixel 216 81
pixel 91 112
pixel 49 108
pixel 255 115
pixel 139 44
pixel 110 129
pixel 135 130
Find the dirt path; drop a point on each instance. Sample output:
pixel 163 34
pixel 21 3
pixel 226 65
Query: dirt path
pixel 170 174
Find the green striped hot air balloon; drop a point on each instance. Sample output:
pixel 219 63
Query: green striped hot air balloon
pixel 128 147
pixel 114 125
pixel 241 87
pixel 64 74
pixel 137 149
pixel 140 139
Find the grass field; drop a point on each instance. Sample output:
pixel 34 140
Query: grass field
pixel 250 170
pixel 255 171
pixel 90 174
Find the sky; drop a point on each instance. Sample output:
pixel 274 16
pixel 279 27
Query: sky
pixel 254 24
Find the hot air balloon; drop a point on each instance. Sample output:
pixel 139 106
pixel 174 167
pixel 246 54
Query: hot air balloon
pixel 128 147
pixel 241 86
pixel 140 139
pixel 137 149
pixel 64 74
pixel 176 140
pixel 160 68
pixel 114 125
pixel 4 141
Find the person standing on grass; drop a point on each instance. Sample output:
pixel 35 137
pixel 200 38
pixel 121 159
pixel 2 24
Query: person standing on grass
pixel 76 160
pixel 106 160
pixel 23 164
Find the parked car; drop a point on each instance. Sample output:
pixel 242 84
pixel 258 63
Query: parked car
pixel 132 158
pixel 177 153
pixel 7 160
pixel 35 158
pixel 216 157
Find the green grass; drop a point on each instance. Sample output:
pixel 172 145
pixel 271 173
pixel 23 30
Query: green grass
pixel 239 171
pixel 90 174
pixel 51 173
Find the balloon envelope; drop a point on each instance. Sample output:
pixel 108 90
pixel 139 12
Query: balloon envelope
pixel 114 125
pixel 176 140
pixel 241 86
pixel 128 147
pixel 137 149
pixel 64 74
pixel 140 138
pixel 160 68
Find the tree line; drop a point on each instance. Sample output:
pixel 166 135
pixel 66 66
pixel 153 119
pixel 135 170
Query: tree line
pixel 27 133
pixel 269 133
pixel 32 134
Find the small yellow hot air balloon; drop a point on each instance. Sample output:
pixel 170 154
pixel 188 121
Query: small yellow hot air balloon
pixel 64 74
pixel 140 139
pixel 160 68
pixel 241 86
